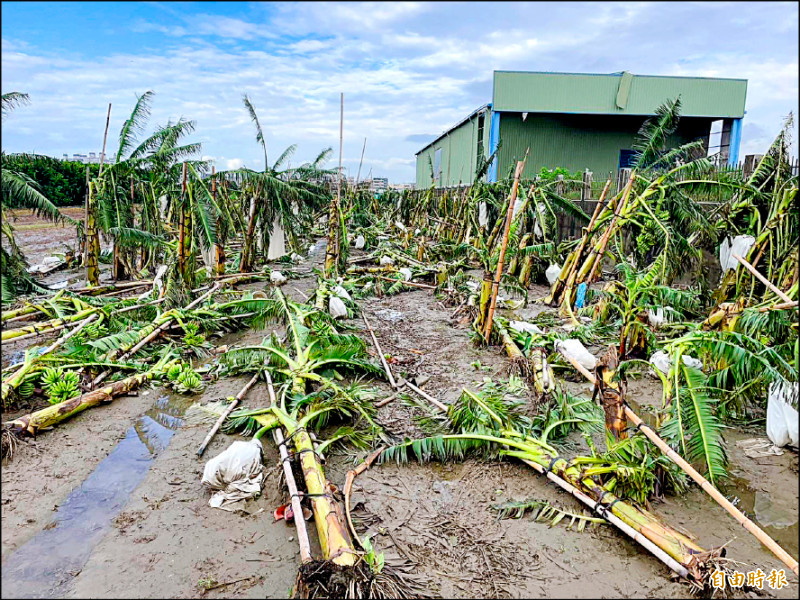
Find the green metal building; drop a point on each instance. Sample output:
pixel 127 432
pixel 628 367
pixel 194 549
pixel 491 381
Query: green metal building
pixel 578 121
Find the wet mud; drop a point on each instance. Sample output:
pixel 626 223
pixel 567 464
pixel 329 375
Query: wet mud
pixel 109 504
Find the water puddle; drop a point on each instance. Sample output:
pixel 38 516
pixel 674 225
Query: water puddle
pixel 45 565
pixel 779 523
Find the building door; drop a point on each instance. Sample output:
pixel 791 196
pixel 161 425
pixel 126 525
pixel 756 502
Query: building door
pixel 626 159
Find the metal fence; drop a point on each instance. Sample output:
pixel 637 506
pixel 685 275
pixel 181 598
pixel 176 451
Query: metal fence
pixel 586 193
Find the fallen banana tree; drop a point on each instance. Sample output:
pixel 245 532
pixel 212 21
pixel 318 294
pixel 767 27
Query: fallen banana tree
pixel 498 431
pixel 32 423
pixel 754 529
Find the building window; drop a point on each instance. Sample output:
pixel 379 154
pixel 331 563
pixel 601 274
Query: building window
pixel 626 159
pixel 437 165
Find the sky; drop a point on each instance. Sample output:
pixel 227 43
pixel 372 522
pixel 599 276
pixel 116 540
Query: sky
pixel 408 70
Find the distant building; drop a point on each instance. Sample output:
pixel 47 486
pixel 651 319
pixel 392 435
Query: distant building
pixel 380 184
pixel 578 121
pixel 92 158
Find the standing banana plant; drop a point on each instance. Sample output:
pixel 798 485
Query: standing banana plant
pixel 275 198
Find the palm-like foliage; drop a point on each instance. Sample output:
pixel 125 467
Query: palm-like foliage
pixel 277 196
pixel 306 356
pixel 20 190
pixel 639 292
pixel 693 427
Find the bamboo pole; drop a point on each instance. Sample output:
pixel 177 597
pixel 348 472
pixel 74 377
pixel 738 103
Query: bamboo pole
pixel 754 529
pixel 225 414
pixel 380 352
pixel 363 148
pixel 762 279
pixel 499 273
pixel 105 138
pixel 428 397
pixel 759 534
pixel 673 564
pixel 297 507
pixel 163 327
pixel 781 306
pixel 14 380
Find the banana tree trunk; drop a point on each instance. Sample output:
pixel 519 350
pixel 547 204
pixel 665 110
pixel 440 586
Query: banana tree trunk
pixel 247 248
pixel 92 241
pixel 49 326
pixel 334 539
pixel 332 249
pixel 15 380
pixel 52 415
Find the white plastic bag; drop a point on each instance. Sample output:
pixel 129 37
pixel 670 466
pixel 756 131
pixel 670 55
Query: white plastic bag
pixel 386 260
pixel 342 293
pixel 237 474
pixel 483 214
pixel 400 226
pixel 781 417
pixel 336 307
pixel 277 241
pixel 740 245
pixel 552 273
pixel 661 361
pixel 655 319
pixel 578 351
pixel 524 327
pixel 406 273
pixel 277 277
pixel 690 361
pixel 360 242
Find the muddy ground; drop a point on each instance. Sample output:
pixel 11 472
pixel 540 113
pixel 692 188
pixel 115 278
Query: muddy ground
pixel 110 504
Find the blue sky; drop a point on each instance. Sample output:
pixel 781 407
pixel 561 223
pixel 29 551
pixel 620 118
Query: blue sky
pixel 408 70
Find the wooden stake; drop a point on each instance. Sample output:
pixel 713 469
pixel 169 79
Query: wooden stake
pixel 762 537
pixel 428 397
pixel 762 279
pixel 380 352
pixel 499 273
pixel 225 414
pixel 297 507
pixel 348 488
pixel 614 520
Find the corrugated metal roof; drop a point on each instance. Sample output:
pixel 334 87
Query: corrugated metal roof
pixel 588 93
pixel 456 126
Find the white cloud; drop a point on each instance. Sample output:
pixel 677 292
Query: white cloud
pixel 407 69
pixel 234 163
